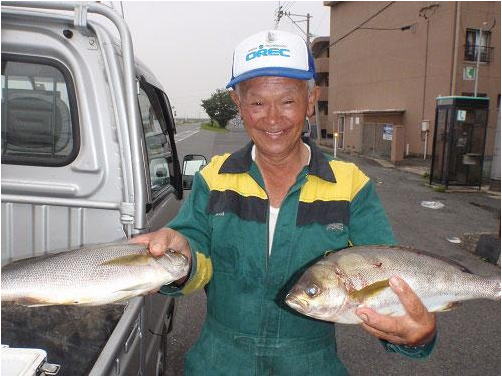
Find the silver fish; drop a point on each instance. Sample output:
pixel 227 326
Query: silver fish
pixel 94 275
pixel 334 287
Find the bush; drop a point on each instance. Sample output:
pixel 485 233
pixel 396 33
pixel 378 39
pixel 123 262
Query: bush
pixel 220 107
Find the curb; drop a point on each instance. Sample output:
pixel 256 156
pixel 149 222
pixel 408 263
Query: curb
pixel 384 163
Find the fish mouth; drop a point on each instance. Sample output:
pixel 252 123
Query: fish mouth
pixel 297 304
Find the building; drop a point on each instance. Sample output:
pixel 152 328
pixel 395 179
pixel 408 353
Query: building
pixel 389 61
pixel 320 51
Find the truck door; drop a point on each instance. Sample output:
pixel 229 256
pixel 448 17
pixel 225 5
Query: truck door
pixel 164 173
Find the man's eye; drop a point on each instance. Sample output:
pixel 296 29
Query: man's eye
pixel 257 103
pixel 289 101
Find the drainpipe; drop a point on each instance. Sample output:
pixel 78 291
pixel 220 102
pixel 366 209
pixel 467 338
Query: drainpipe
pixel 426 133
pixel 453 81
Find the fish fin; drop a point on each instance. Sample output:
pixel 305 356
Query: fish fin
pixel 369 290
pixel 449 306
pixel 328 252
pixel 36 305
pixel 129 260
pixel 450 261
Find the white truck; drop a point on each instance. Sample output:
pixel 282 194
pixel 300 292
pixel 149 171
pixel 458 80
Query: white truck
pixel 88 156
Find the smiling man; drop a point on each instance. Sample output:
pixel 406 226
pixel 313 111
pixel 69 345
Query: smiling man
pixel 258 216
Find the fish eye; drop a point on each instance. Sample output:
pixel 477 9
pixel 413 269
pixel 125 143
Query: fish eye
pixel 312 291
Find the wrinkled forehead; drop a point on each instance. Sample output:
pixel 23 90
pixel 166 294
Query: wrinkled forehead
pixel 267 82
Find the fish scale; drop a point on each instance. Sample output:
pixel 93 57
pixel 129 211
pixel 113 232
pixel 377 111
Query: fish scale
pixel 358 276
pixel 92 275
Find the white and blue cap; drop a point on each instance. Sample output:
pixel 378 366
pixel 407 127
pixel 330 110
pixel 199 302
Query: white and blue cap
pixel 272 53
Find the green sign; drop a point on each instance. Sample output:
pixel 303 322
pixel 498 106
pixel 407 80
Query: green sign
pixel 469 73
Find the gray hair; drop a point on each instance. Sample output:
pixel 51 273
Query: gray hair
pixel 310 85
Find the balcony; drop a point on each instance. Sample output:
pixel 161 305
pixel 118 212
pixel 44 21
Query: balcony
pixel 322 65
pixel 323 93
pixel 471 53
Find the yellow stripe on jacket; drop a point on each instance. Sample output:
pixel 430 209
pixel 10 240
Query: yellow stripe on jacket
pixel 349 181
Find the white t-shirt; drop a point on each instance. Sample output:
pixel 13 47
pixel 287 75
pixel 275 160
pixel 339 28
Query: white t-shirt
pixel 272 220
pixel 273 212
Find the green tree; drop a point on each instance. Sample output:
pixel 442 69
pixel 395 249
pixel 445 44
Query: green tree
pixel 220 107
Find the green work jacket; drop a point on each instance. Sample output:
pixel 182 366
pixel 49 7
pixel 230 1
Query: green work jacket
pixel 249 329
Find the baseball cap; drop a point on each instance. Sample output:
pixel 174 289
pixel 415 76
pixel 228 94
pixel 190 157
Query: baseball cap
pixel 272 53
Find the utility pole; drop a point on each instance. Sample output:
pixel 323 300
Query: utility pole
pixel 307 19
pixel 280 13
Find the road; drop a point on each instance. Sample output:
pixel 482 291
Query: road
pixel 469 336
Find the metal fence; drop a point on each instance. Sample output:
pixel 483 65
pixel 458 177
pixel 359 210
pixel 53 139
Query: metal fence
pixel 376 139
pixel 471 53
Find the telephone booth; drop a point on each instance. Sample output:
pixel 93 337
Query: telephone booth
pixel 459 141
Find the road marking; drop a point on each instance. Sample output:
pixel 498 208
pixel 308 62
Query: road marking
pixel 184 135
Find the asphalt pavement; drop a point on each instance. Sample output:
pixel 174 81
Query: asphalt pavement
pixel 469 336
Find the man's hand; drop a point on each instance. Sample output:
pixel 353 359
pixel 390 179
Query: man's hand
pixel 416 327
pixel 160 241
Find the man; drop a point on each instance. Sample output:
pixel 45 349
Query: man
pixel 257 217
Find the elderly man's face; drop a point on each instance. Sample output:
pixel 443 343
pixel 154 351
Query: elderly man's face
pixel 274 111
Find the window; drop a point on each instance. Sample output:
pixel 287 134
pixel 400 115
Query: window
pixel 322 79
pixel 158 147
pixel 39 119
pixel 323 107
pixel 477 42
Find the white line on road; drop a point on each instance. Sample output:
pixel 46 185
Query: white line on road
pixel 184 135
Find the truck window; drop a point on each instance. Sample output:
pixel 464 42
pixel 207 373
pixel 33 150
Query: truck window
pixel 39 120
pixel 158 147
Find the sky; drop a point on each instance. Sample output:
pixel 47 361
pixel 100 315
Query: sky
pixel 189 45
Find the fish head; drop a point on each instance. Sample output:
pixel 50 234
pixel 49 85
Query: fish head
pixel 319 293
pixel 175 263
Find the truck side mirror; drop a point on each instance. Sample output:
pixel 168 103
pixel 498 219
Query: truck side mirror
pixel 192 163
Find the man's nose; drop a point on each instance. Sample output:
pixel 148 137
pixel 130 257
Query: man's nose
pixel 273 114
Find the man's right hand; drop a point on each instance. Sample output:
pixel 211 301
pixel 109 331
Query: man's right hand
pixel 160 241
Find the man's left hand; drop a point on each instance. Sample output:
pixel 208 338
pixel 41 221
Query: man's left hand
pixel 416 327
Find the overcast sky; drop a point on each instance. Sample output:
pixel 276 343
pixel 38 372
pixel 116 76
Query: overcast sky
pixel 189 45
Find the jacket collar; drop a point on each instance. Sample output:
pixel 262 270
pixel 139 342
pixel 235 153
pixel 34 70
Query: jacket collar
pixel 240 162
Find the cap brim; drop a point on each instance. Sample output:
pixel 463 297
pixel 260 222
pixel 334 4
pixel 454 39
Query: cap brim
pixel 271 71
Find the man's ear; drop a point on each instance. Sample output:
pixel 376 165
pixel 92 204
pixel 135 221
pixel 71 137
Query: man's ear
pixel 313 97
pixel 236 99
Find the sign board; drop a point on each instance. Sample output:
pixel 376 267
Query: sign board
pixel 387 131
pixel 461 115
pixel 469 73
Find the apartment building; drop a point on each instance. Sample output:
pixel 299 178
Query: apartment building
pixel 389 61
pixel 320 51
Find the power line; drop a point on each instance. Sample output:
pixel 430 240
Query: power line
pixel 402 28
pixel 358 26
pixel 288 6
pixel 294 23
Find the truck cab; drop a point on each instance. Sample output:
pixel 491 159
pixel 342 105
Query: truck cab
pixel 88 156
